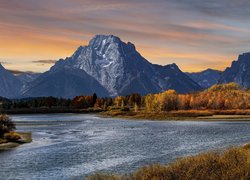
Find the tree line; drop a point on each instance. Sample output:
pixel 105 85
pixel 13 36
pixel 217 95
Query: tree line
pixel 218 97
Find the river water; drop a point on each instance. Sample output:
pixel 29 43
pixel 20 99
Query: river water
pixel 67 146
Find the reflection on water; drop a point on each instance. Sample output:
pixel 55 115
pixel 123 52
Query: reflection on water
pixel 73 145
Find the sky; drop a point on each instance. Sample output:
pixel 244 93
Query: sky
pixel 194 34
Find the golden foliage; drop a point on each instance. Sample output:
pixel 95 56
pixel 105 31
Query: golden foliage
pixel 218 97
pixel 12 136
pixel 230 164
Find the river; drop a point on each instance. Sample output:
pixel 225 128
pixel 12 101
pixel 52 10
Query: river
pixel 67 146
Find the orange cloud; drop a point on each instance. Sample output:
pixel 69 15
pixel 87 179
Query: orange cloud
pixel 163 31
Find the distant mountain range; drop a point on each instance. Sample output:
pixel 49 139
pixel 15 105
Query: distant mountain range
pixel 110 67
pixel 64 82
pixel 206 78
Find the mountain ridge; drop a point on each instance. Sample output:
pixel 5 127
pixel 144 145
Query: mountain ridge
pixel 110 67
pixel 238 72
pixel 122 70
pixel 206 78
pixel 9 84
pixel 67 83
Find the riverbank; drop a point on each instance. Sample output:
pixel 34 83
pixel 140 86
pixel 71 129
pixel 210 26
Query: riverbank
pixel 48 110
pixel 25 138
pixel 232 163
pixel 201 115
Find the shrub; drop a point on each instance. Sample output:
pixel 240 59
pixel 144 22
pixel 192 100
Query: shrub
pixel 3 141
pixel 12 136
pixel 231 164
pixel 247 146
pixel 6 125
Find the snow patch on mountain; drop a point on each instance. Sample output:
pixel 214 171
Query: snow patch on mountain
pixel 119 68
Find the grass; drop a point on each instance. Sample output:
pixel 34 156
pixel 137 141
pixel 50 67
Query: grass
pixel 14 139
pixel 26 137
pixel 12 136
pixel 180 114
pixel 156 115
pixel 233 163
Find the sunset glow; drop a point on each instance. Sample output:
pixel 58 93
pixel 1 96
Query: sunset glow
pixel 195 35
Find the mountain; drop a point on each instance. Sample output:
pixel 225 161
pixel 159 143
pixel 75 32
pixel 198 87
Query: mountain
pixel 171 77
pixel 27 77
pixel 65 82
pixel 239 71
pixel 121 70
pixel 206 78
pixel 9 84
pixel 106 66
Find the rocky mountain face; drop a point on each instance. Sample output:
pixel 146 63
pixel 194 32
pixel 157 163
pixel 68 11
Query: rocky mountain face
pixel 239 71
pixel 10 85
pixel 65 82
pixel 27 77
pixel 106 66
pixel 171 77
pixel 121 70
pixel 206 78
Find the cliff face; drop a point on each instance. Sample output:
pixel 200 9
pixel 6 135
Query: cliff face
pixel 10 85
pixel 121 70
pixel 106 66
pixel 239 71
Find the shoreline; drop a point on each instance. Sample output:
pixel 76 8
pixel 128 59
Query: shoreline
pixel 49 111
pixel 178 115
pixel 26 137
pixel 187 115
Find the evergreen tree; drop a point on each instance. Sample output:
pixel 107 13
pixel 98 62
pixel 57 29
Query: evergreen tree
pixel 94 98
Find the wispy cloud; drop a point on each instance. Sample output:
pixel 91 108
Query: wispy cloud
pixel 189 31
pixel 44 61
pixel 18 72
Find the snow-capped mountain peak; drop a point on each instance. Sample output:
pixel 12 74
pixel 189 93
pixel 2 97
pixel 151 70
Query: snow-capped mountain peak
pixel 117 66
pixel 109 67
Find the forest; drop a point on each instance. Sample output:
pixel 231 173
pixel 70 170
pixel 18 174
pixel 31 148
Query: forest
pixel 219 97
